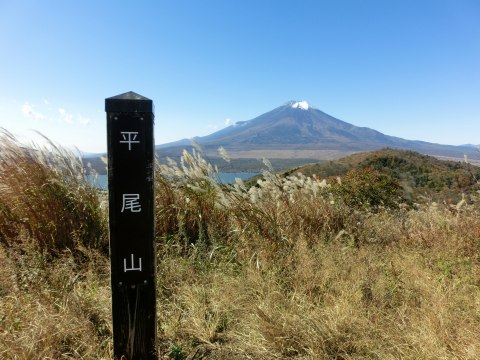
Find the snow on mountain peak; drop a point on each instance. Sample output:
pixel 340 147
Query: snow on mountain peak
pixel 300 105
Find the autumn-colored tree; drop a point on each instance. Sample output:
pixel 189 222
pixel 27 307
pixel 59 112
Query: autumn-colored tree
pixel 368 188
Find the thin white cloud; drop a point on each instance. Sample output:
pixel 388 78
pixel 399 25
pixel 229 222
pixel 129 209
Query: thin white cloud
pixel 65 116
pixel 47 113
pixel 215 127
pixel 28 111
pixel 82 120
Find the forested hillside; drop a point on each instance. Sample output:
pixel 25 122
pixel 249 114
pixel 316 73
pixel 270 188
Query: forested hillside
pixel 417 174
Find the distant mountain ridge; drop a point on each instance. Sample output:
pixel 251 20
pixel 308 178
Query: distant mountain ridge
pixel 296 129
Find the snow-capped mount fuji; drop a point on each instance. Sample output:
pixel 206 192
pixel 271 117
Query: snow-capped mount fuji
pixel 298 130
pixel 295 125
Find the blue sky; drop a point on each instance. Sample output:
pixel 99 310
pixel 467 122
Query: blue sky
pixel 408 68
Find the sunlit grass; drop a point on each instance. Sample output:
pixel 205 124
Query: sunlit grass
pixel 293 267
pixel 45 197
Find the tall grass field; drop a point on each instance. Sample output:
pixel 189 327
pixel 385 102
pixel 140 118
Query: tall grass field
pixel 291 267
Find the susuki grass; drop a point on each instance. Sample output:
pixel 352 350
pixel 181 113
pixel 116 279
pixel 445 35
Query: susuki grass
pixel 44 197
pixel 53 300
pixel 293 267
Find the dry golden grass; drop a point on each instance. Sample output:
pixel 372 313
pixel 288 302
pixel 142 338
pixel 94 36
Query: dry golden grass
pixel 333 301
pixel 281 270
pixel 45 197
pixel 53 302
pixel 54 308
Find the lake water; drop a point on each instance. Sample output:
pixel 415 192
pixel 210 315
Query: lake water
pixel 101 181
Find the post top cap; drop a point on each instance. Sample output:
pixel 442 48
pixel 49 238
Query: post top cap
pixel 128 102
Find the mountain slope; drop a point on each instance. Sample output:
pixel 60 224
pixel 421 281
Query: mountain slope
pixel 297 129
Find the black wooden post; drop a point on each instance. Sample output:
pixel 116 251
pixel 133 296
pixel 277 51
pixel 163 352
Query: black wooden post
pixel 130 122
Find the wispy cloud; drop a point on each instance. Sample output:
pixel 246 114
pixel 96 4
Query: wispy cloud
pixel 48 113
pixel 219 126
pixel 29 111
pixel 69 118
pixel 65 116
pixel 82 120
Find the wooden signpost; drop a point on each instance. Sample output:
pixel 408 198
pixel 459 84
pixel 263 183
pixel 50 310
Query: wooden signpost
pixel 130 122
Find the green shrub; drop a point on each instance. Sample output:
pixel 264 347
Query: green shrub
pixel 367 188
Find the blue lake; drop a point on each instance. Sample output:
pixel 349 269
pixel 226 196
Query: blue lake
pixel 101 181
